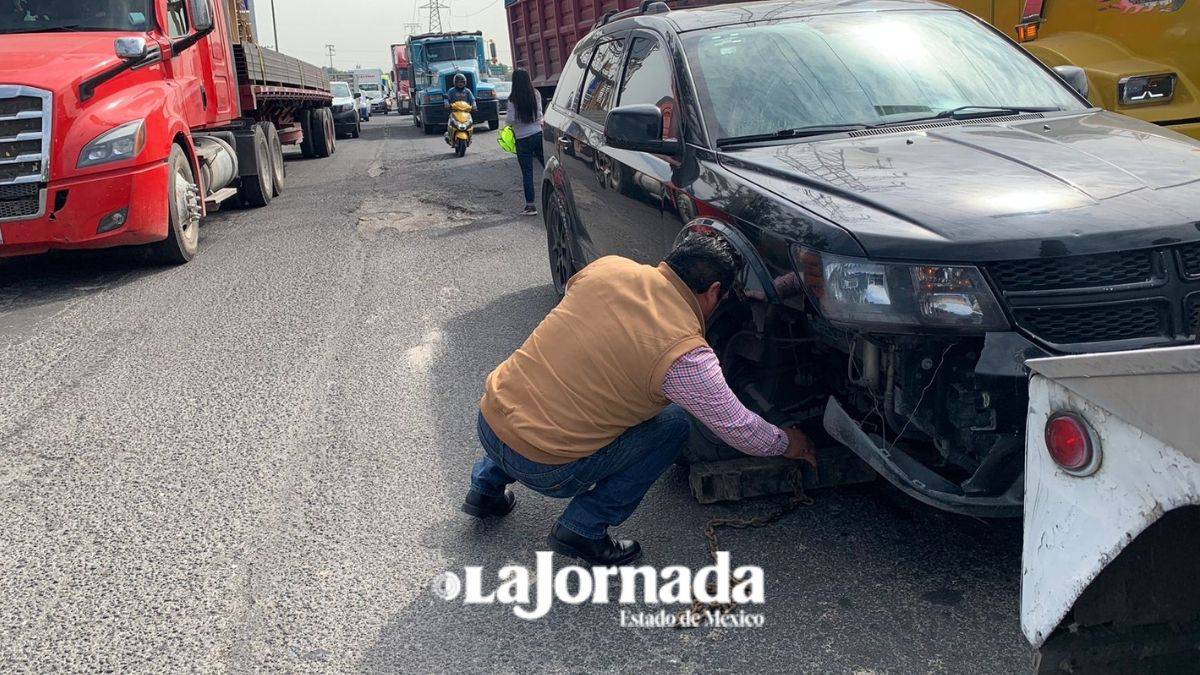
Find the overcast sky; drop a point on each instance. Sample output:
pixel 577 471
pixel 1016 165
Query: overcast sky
pixel 362 31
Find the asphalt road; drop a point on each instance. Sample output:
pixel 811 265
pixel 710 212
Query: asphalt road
pixel 254 461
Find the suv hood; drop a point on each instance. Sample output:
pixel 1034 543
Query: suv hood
pixel 996 190
pixel 56 61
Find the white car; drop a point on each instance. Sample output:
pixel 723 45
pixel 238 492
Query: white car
pixel 345 115
pixel 374 97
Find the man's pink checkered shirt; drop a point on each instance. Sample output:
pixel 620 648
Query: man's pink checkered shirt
pixel 696 384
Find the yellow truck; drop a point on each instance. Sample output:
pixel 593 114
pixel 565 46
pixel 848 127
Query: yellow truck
pixel 1142 57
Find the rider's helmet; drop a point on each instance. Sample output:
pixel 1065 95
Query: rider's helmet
pixel 460 80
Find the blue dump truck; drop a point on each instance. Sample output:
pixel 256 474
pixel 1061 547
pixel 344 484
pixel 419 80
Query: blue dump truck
pixel 436 58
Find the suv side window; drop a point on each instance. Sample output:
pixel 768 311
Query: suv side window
pixel 177 21
pixel 566 93
pixel 600 84
pixel 648 79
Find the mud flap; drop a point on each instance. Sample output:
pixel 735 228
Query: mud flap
pixel 914 478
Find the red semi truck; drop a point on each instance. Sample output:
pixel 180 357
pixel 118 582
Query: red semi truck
pixel 123 121
pixel 543 32
pixel 401 74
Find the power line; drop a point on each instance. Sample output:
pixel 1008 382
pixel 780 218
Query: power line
pixel 330 49
pixel 471 14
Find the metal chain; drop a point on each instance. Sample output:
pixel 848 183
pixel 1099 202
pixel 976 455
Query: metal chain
pixel 797 500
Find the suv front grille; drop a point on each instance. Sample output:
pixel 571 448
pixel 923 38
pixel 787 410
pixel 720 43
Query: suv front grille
pixel 1189 256
pixel 1081 271
pixel 1102 323
pixel 25 120
pixel 1193 313
pixel 1105 301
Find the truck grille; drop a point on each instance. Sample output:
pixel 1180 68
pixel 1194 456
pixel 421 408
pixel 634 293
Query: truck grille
pixel 25 116
pixel 20 201
pixel 1105 301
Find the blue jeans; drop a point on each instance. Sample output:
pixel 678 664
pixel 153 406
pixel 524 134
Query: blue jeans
pixel 605 487
pixel 529 148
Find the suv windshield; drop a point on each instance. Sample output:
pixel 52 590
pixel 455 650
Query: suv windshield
pixel 339 89
pixel 35 16
pixel 861 69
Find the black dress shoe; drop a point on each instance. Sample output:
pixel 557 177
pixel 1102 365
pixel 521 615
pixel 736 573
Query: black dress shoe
pixel 603 552
pixel 482 506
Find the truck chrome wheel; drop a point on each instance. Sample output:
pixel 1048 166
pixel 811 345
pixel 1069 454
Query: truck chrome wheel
pixel 183 212
pixel 558 240
pixel 187 202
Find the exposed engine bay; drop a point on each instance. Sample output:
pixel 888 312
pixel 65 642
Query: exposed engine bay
pixel 951 433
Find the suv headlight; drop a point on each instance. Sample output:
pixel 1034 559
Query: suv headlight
pixel 860 291
pixel 123 142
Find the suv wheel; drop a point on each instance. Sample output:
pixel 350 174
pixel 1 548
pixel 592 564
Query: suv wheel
pixel 560 242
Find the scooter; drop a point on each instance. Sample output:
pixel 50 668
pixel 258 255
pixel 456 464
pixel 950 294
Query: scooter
pixel 460 127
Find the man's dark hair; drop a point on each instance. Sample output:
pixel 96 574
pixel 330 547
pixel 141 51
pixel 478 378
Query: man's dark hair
pixel 701 259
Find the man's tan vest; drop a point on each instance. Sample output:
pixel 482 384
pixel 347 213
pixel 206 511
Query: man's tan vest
pixel 594 367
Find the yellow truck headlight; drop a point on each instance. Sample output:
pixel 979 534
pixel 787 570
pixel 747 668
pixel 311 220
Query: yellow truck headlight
pixel 1143 89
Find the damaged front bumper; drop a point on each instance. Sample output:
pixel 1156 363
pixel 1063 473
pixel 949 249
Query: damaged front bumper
pixel 914 478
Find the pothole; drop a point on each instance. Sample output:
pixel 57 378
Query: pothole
pixel 383 218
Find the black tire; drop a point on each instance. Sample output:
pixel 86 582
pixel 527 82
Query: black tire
pixel 357 130
pixel 460 147
pixel 560 242
pixel 183 209
pixel 417 121
pixel 279 171
pixel 493 124
pixel 322 141
pixel 307 148
pixel 256 189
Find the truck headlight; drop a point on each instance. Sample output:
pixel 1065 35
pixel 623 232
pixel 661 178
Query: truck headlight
pixel 123 142
pixel 487 93
pixel 1142 89
pixel 860 291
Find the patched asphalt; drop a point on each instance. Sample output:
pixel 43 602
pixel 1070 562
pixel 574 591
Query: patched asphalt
pixel 254 461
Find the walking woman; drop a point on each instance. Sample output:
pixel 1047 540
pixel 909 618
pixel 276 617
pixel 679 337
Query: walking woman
pixel 525 117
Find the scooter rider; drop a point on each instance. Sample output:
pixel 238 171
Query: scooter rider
pixel 460 92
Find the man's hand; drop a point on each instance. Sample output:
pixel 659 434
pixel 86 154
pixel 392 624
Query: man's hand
pixel 799 447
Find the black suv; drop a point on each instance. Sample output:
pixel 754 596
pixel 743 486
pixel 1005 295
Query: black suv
pixel 919 205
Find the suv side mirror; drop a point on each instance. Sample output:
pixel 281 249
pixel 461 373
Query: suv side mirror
pixel 130 48
pixel 1074 76
pixel 638 127
pixel 358 94
pixel 202 19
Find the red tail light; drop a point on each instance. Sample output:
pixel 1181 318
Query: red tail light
pixel 1072 444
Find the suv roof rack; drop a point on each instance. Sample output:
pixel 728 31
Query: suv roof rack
pixel 644 7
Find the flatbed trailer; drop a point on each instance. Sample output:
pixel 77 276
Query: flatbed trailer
pixel 130 126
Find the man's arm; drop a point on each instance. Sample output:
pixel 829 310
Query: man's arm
pixel 696 384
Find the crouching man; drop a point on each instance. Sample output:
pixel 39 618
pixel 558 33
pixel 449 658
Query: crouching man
pixel 592 406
